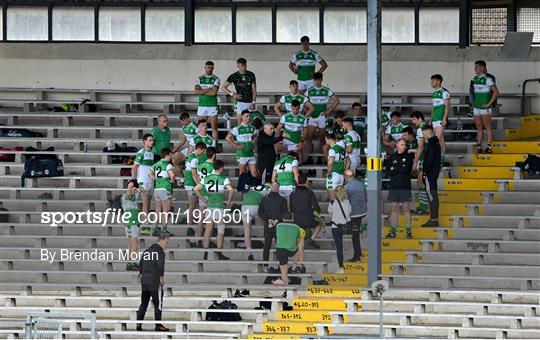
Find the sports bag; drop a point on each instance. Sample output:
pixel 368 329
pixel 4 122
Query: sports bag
pixel 34 168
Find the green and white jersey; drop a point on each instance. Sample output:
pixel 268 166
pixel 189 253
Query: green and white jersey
pixel 192 162
pixel 396 131
pixel 338 153
pixel 385 118
pixel 419 134
pixel 482 91
pixel 161 172
pixel 190 131
pixel 215 187
pixel 287 100
pixel 353 138
pixel 305 63
pixel 162 139
pixel 284 170
pixel 412 144
pixel 359 123
pixel 204 169
pixel 319 97
pixel 208 140
pixel 207 82
pixel 293 125
pixel 243 134
pixel 438 98
pixel 145 159
pixel 129 202
pixel 255 195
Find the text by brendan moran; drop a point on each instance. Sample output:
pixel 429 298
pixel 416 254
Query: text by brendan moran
pixel 94 255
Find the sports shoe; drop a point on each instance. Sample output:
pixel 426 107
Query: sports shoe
pixel 129 266
pixel 278 283
pixel 251 257
pixel 145 231
pixel 488 150
pixel 167 233
pixel 313 243
pixel 478 148
pixel 391 235
pixel 431 224
pixel 340 271
pixel 139 327
pixel 353 260
pixel 156 232
pixel 301 269
pixel 161 328
pixel 419 212
pixel 221 257
pixel 409 235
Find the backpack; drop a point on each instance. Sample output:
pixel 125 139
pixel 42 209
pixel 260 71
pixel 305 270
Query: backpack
pixel 115 203
pixel 6 132
pixel 9 157
pixel 531 164
pixel 217 316
pixel 40 156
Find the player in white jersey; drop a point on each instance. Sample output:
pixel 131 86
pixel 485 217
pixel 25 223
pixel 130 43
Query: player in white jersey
pixel 303 64
pixel 140 170
pixel 352 144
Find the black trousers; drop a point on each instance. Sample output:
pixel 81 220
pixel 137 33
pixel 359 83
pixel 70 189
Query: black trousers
pixel 269 236
pixel 157 300
pixel 431 189
pixel 266 165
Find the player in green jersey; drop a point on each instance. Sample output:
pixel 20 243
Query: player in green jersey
pixel 485 94
pixel 423 202
pixel 245 85
pixel 131 210
pixel 286 173
pixel 215 185
pixel 359 120
pixel 163 174
pixel 206 87
pixel 335 166
pixel 440 109
pixel 287 99
pixel 250 205
pixel 393 133
pixel 191 177
pixel 204 169
pixel 289 243
pixel 324 101
pixel 303 64
pixel 202 136
pixel 189 130
pixel 352 144
pixel 410 139
pixel 294 129
pixel 243 138
pixel 141 168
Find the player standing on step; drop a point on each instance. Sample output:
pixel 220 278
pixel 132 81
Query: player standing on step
pixel 418 120
pixel 204 169
pixel 130 206
pixel 163 174
pixel 140 170
pixel 352 144
pixel 244 138
pixel 293 125
pixel 152 271
pixel 303 64
pixel 335 166
pixel 289 243
pixel 440 110
pixel 202 136
pixel 162 136
pixel 246 88
pixel 215 185
pixel 207 86
pixel 191 176
pixel 250 205
pixel 189 130
pixel 484 93
pixel 431 168
pixel 285 174
pixel 287 99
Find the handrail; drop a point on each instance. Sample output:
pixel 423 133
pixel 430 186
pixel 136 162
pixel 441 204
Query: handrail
pixel 523 95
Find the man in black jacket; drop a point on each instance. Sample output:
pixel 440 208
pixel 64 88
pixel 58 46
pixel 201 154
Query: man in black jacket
pixel 306 210
pixel 151 270
pixel 266 152
pixel 431 169
pixel 271 211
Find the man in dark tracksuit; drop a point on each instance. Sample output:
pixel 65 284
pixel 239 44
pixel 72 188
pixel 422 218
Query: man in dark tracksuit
pixel 306 210
pixel 431 169
pixel 266 152
pixel 271 211
pixel 151 270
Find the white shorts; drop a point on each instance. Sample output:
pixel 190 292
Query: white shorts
pixel 481 112
pixel 249 212
pixel 241 106
pixel 161 194
pixel 285 190
pixel 147 188
pixel 333 181
pixel 436 123
pixel 290 145
pixel 319 122
pixel 246 160
pixel 305 84
pixel 133 231
pixel 203 111
pixel 355 163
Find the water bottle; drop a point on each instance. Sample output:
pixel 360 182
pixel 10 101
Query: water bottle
pixel 85 147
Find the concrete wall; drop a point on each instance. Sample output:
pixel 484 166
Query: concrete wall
pixel 174 67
